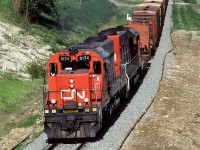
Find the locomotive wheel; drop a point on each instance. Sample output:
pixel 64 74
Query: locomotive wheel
pixel 123 96
pixel 127 93
pixel 111 108
pixel 53 131
pixel 107 112
pixel 153 51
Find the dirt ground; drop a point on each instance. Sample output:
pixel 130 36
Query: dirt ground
pixel 175 123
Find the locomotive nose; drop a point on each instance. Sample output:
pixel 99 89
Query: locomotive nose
pixel 76 94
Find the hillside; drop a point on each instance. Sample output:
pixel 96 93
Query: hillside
pixel 30 42
pixel 19 49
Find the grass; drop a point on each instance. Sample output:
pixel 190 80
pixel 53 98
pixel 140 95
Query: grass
pixel 12 94
pixel 186 17
pixel 121 16
pixel 15 93
pixel 5 13
pixel 122 13
pixel 31 120
pixel 20 103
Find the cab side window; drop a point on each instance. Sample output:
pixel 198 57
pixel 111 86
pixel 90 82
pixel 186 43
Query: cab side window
pixel 97 67
pixel 53 69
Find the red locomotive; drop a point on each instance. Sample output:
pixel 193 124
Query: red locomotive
pixel 88 81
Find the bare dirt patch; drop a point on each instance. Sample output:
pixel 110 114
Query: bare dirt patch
pixel 176 120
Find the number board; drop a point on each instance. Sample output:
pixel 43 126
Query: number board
pixel 84 58
pixel 64 58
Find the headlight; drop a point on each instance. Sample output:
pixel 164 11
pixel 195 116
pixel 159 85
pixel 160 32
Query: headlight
pixel 46 111
pixel 53 101
pixel 71 81
pixel 80 104
pixel 71 86
pixel 87 109
pixel 54 111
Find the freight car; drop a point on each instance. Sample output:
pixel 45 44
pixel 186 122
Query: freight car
pixel 88 81
pixel 148 20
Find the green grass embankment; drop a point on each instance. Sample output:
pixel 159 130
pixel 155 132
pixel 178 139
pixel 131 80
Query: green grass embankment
pixel 11 93
pixel 186 17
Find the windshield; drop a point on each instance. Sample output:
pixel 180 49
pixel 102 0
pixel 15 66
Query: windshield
pixel 75 66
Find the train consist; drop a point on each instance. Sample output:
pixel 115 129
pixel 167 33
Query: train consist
pixel 88 81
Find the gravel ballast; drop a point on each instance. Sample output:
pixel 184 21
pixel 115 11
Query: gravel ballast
pixel 138 105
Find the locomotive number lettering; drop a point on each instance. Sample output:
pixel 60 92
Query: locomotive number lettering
pixel 64 58
pixel 84 58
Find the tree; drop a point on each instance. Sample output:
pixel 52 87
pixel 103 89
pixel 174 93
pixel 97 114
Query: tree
pixel 79 3
pixel 36 10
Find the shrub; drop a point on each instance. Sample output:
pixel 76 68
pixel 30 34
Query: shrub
pixel 36 69
pixel 10 75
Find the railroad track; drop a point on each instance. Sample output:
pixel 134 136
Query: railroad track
pixel 50 146
pixel 58 145
pixel 81 145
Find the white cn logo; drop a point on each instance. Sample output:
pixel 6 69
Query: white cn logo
pixel 73 93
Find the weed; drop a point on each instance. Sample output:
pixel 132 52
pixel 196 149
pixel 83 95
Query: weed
pixel 36 69
pixel 194 142
pixel 31 120
pixel 189 37
pixel 15 40
pixel 1 42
